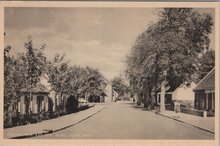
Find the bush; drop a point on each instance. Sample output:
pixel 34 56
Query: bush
pixel 34 118
pixel 47 115
pixel 7 122
pixel 72 104
pixel 138 102
pixel 23 119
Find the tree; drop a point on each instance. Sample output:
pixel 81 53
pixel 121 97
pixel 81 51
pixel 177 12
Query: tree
pixel 59 77
pixel 119 86
pixel 59 74
pixel 9 83
pixel 20 71
pixel 168 49
pixel 87 81
pixel 206 64
pixel 94 83
pixel 35 61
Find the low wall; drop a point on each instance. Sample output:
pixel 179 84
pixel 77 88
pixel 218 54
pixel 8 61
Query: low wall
pixel 197 112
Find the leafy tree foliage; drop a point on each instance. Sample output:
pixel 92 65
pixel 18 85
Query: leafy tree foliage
pixel 9 68
pixel 206 64
pixel 119 86
pixel 168 49
pixel 35 61
pixel 58 72
pixel 74 80
pixel 88 81
pixel 21 71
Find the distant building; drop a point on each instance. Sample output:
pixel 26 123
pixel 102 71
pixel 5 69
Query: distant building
pixel 205 92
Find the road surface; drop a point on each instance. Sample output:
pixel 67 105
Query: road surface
pixel 124 120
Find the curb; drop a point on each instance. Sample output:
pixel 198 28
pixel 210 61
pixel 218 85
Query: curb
pixel 207 130
pixel 56 130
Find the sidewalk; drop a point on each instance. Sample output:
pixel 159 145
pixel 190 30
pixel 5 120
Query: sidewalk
pixel 204 123
pixel 52 125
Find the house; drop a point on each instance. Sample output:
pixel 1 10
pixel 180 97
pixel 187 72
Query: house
pixel 34 100
pixel 182 93
pixel 43 98
pixel 205 93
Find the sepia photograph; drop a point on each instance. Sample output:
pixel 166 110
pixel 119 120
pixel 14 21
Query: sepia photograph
pixel 110 73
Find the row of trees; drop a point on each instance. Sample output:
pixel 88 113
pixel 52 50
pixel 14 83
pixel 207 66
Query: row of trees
pixel 119 85
pixel 171 51
pixel 24 70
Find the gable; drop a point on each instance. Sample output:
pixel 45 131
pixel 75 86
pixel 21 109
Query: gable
pixel 208 82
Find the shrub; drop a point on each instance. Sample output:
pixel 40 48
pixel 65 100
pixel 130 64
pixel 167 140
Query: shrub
pixel 72 104
pixel 34 118
pixel 23 119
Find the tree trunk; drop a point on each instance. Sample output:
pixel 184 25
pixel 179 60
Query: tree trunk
pixel 162 96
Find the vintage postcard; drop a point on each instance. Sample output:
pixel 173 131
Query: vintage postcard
pixel 109 73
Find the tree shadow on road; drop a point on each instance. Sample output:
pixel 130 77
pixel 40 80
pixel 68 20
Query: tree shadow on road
pixel 135 106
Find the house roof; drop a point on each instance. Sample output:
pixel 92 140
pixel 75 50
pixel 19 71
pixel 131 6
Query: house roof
pixel 207 83
pixel 39 88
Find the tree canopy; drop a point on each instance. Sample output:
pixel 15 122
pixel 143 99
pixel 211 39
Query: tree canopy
pixel 24 70
pixel 119 86
pixel 206 64
pixel 168 49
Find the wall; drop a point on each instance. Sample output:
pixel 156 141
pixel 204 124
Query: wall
pixel 184 93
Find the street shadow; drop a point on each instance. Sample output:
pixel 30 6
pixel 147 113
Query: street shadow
pixel 138 107
pixel 134 105
pixel 130 103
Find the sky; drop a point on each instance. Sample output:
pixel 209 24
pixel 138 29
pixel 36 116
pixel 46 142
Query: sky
pixel 96 37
